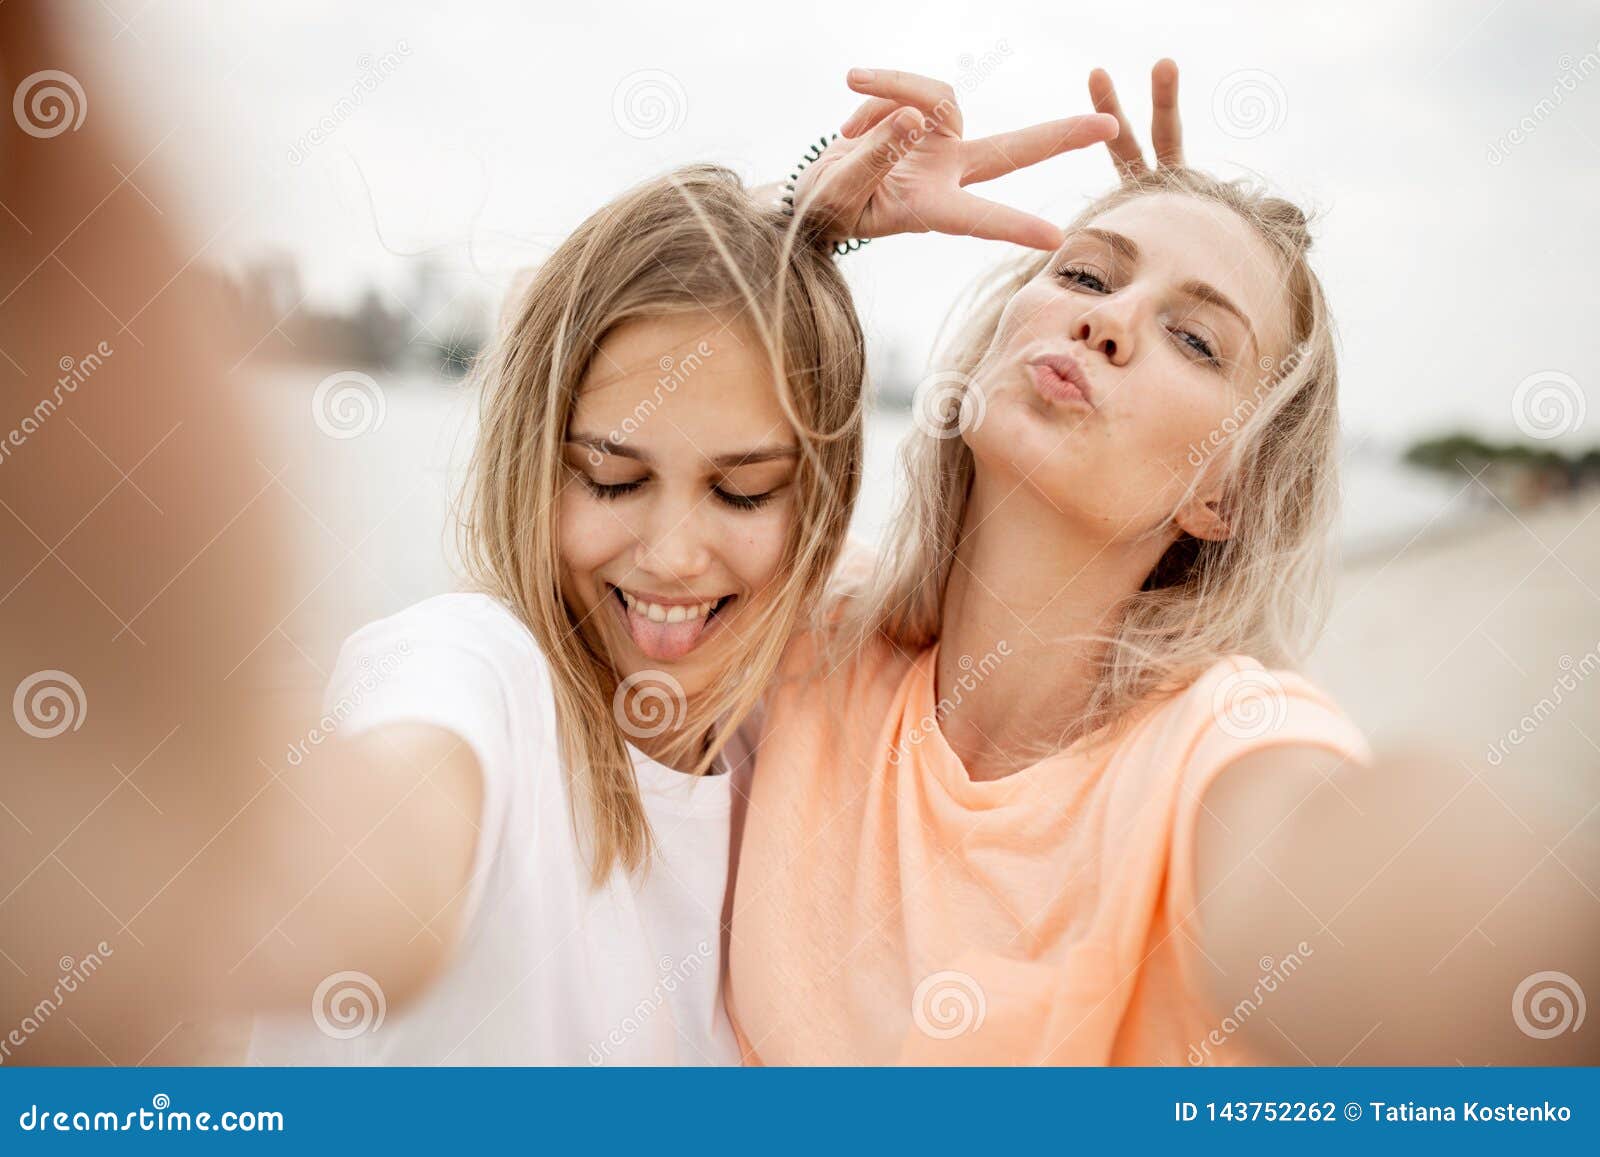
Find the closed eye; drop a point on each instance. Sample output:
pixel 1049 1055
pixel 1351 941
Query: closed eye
pixel 1198 345
pixel 609 490
pixel 743 501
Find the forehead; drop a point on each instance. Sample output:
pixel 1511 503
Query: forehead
pixel 1186 239
pixel 693 381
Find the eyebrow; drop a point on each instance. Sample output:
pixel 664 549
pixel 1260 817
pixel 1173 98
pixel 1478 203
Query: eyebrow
pixel 1199 290
pixel 722 461
pixel 1211 295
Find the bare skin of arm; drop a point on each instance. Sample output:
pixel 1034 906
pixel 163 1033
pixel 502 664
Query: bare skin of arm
pixel 1426 893
pixel 145 543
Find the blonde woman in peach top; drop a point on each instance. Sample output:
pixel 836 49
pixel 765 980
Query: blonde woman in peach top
pixel 1054 791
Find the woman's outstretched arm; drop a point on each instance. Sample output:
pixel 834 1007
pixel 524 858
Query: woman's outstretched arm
pixel 1450 919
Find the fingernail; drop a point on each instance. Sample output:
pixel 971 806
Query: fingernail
pixel 862 76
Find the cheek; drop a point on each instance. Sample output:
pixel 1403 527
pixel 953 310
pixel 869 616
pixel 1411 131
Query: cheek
pixel 591 535
pixel 755 544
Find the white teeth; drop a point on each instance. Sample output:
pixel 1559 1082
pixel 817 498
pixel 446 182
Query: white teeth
pixel 659 613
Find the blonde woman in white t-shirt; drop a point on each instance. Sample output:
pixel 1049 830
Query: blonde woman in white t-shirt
pixel 669 452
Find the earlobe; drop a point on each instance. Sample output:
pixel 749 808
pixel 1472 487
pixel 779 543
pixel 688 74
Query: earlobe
pixel 1202 520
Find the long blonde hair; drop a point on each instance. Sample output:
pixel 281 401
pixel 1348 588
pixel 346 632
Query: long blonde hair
pixel 691 241
pixel 1262 592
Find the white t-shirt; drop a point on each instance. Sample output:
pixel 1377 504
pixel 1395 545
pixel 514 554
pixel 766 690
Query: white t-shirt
pixel 549 970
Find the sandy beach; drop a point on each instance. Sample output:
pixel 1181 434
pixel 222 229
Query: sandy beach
pixel 1456 637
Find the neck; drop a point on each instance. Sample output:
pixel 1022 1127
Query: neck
pixel 1033 579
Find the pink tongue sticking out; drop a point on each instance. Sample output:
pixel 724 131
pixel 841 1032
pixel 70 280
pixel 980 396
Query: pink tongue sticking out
pixel 664 640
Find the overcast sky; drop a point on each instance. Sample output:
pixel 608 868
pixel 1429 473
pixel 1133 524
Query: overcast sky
pixel 1458 261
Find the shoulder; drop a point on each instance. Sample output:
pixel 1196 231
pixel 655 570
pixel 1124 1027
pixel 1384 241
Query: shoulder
pixel 469 625
pixel 461 661
pixel 1237 706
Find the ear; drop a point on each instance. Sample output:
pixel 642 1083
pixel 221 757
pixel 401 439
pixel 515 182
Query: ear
pixel 1201 519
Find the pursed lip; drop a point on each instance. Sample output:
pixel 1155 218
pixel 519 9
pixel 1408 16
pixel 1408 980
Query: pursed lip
pixel 1061 377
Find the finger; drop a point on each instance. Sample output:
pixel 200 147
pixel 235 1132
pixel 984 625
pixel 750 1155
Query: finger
pixel 966 215
pixel 1166 131
pixel 1124 148
pixel 842 191
pixel 935 98
pixel 990 157
pixel 870 113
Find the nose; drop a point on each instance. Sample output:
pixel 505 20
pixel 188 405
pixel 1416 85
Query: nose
pixel 1109 326
pixel 673 542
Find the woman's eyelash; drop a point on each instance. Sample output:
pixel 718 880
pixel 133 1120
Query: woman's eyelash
pixel 744 501
pixel 1199 345
pixel 610 490
pixel 613 490
pixel 1081 275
